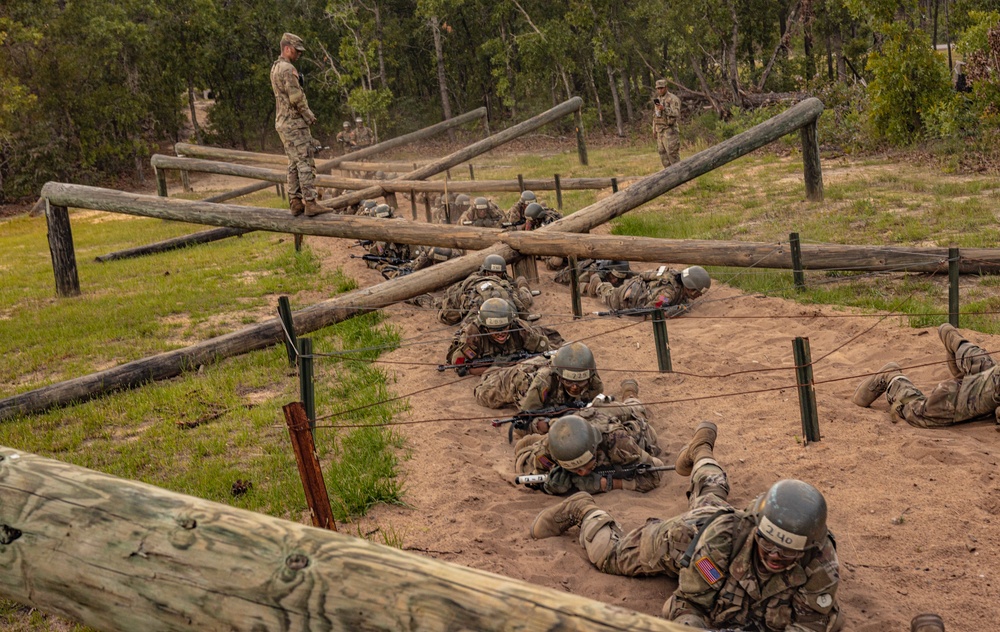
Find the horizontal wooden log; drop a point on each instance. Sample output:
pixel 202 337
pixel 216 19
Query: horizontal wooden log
pixel 123 556
pixel 161 161
pixel 464 154
pixel 201 237
pixel 207 152
pixel 392 143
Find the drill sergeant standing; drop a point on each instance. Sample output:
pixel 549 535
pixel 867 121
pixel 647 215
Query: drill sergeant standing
pixel 772 566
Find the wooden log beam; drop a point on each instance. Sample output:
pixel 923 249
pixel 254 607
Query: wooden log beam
pixel 207 152
pixel 120 556
pixel 467 153
pixel 201 237
pixel 161 161
pixel 61 249
pixel 392 143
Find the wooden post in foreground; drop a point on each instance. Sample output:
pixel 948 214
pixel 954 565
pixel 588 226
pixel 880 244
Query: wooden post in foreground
pixel 309 471
pixel 812 171
pixel 581 144
pixel 161 182
pixel 61 248
pixel 122 556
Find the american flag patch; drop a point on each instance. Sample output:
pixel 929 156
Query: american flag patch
pixel 709 571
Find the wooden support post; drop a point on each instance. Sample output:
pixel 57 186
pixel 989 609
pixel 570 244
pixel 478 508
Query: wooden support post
pixel 797 274
pixel 291 342
pixel 526 267
pixel 558 186
pixel 61 248
pixel 807 390
pixel 306 386
pixel 298 242
pixel 447 174
pixel 472 172
pixel 185 181
pixel 413 204
pixel 574 288
pixel 812 171
pixel 299 426
pixel 581 144
pixel 661 341
pixel 161 182
pixel 427 208
pixel 390 199
pixel 520 182
pixel 614 185
pixel 953 308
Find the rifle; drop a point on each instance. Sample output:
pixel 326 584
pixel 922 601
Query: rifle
pixel 502 360
pixel 522 420
pixel 387 269
pixel 624 472
pixel 396 261
pixel 512 224
pixel 364 243
pixel 671 311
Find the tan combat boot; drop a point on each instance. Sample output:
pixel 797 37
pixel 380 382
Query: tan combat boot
pixel 927 623
pixel 873 386
pixel 296 206
pixel 557 519
pixel 700 447
pixel 952 341
pixel 314 208
pixel 630 388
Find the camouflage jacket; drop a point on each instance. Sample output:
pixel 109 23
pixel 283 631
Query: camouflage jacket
pixel 978 394
pixel 494 217
pixel 546 390
pixel 651 288
pixel 721 585
pixel 472 341
pixel 548 216
pixel 667 113
pixel 461 299
pixel 291 107
pixel 363 136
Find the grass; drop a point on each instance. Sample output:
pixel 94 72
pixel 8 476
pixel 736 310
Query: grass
pixel 202 431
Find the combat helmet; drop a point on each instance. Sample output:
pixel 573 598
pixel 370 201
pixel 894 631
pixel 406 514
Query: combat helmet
pixel 792 514
pixel 534 210
pixel 347 124
pixel 493 263
pixel 496 313
pixel 461 200
pixel 528 196
pixel 441 254
pixel 573 442
pixel 382 211
pixel 482 204
pixel 574 362
pixel 696 278
pixel 368 204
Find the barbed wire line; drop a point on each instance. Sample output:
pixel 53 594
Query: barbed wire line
pixel 389 400
pixel 897 306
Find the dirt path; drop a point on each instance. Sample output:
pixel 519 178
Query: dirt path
pixel 916 513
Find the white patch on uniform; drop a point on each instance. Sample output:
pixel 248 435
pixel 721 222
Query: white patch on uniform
pixel 485 285
pixel 661 270
pixel 824 601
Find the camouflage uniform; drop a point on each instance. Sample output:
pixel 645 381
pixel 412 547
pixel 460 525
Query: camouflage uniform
pixel 494 217
pixel 363 136
pixel 515 213
pixel 974 392
pixel 440 214
pixel 588 269
pixel 651 288
pixel 426 256
pixel 718 582
pixel 346 138
pixel 388 249
pixel 548 216
pixel 292 120
pixel 627 440
pixel 463 298
pixel 668 137
pixel 472 341
pixel 508 386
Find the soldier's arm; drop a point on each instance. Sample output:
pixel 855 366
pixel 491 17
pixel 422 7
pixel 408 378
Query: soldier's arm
pixel 534 340
pixel 814 605
pixel 296 96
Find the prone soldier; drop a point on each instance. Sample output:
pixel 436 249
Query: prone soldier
pixel 382 253
pixel 489 281
pixel 536 216
pixel 973 391
pixel 515 215
pixel 448 211
pixel 772 566
pixel 483 213
pixel 612 271
pixel 659 288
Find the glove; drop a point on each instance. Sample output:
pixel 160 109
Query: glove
pixel 560 482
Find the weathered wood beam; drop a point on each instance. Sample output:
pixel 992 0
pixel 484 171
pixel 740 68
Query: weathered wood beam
pixel 161 161
pixel 207 152
pixel 60 237
pixel 201 237
pixel 121 556
pixel 467 153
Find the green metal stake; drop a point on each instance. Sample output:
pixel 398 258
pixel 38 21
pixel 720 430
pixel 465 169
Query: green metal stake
pixel 285 314
pixel 558 192
pixel 807 391
pixel 306 381
pixel 472 172
pixel 953 260
pixel 574 288
pixel 662 342
pixel 798 275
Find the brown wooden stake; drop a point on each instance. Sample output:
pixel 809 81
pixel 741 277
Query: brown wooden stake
pixel 305 456
pixel 61 247
pixel 185 181
pixel 812 171
pixel 413 204
pixel 298 242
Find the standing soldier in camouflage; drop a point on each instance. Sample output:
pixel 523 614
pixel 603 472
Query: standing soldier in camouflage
pixel 346 137
pixel 666 115
pixel 772 566
pixel 363 135
pixel 292 120
pixel 974 390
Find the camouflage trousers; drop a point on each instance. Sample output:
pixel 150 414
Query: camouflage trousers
pixel 655 547
pixel 668 145
pixel 973 393
pixel 622 297
pixel 301 180
pixel 505 386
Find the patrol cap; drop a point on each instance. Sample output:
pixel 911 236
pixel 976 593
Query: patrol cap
pixel 661 83
pixel 290 39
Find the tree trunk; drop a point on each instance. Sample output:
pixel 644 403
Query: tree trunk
pixel 378 46
pixel 807 39
pixel 597 99
pixel 696 67
pixel 627 93
pixel 442 83
pixel 194 112
pixel 838 53
pixel 734 71
pixel 614 97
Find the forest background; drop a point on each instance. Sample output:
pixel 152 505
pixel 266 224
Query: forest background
pixel 90 88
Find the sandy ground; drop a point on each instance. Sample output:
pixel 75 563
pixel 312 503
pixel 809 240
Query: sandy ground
pixel 916 513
